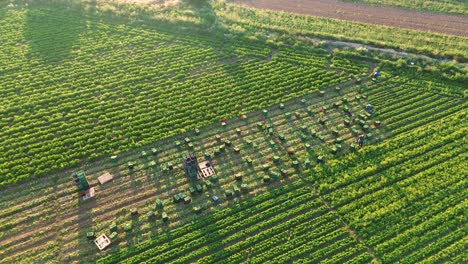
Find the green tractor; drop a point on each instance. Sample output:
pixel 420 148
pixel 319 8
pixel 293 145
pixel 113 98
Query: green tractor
pixel 191 166
pixel 80 180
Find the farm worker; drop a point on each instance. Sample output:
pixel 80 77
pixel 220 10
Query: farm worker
pixel 360 140
pixel 369 108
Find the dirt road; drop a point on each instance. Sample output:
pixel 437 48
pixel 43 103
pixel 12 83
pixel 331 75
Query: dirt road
pixel 389 16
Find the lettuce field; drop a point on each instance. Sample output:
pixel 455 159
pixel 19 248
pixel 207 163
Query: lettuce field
pixel 129 92
pixel 134 87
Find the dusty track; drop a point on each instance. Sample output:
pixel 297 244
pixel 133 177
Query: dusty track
pixel 388 16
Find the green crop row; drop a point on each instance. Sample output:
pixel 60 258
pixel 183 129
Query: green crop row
pixel 388 200
pixel 433 44
pixel 123 86
pixel 232 214
pixel 109 87
pixel 404 195
pixel 365 198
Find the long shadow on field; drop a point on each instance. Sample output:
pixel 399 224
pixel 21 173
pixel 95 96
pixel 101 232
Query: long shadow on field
pixel 50 37
pixel 53 27
pixel 85 224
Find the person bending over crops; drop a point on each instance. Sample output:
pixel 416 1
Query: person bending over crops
pixel 360 140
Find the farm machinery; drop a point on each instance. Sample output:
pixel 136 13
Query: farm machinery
pixel 82 184
pixel 197 170
pixel 80 180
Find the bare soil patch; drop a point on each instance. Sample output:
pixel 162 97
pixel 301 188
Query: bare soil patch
pixel 388 16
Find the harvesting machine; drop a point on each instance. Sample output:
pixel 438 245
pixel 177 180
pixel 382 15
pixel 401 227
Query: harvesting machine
pixel 191 166
pixel 80 180
pixel 82 184
pixel 195 170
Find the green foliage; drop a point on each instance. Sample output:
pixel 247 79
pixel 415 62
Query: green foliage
pixel 445 78
pixel 402 197
pixel 77 88
pixel 445 6
pixel 392 194
pixel 252 20
pixel 197 2
pixel 113 86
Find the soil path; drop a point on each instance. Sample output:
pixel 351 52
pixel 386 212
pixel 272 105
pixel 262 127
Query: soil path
pixel 369 47
pixel 388 16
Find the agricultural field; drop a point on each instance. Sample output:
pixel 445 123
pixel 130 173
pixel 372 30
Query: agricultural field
pixel 370 14
pixel 127 84
pixel 129 91
pixel 255 149
pixel 445 6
